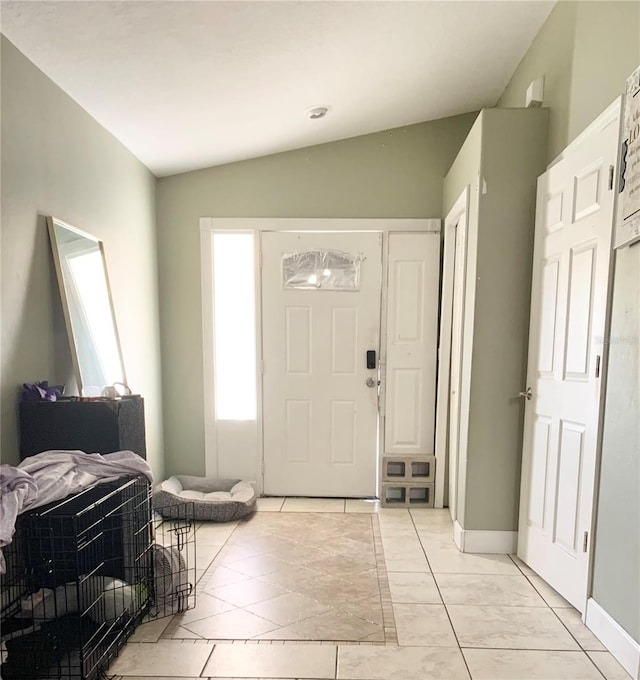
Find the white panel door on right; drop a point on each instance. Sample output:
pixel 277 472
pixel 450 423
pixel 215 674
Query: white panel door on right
pixel 574 219
pixel 412 335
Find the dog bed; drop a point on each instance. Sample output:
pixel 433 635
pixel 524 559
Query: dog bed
pixel 216 500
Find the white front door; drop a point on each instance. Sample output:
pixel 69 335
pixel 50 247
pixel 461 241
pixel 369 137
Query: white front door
pixel 320 400
pixel 572 253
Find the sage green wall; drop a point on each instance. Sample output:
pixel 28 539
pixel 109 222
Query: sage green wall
pixel 397 173
pixel 501 323
pixel 586 50
pixel 616 581
pixel 551 56
pixel 616 577
pixel 606 52
pixel 499 248
pixel 58 160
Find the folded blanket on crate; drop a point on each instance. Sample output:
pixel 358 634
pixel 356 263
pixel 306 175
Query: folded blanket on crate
pixel 53 475
pixel 18 491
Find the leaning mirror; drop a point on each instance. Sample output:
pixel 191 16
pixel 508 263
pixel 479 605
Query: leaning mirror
pixel 88 307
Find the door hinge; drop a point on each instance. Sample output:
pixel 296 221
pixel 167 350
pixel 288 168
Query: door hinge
pixel 597 366
pixel 611 177
pixel 585 541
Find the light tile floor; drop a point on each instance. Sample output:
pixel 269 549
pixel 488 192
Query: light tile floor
pixel 311 576
pixel 325 589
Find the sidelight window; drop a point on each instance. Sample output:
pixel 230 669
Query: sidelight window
pixel 234 326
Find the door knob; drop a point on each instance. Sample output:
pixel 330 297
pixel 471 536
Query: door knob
pixel 527 395
pixel 371 382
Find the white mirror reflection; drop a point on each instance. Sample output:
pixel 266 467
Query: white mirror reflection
pixel 86 298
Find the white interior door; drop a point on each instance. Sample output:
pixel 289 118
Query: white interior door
pixel 411 339
pixel 574 219
pixel 320 398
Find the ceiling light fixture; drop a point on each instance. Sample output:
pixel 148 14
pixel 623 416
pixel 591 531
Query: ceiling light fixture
pixel 316 112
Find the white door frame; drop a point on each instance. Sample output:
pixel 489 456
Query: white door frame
pixel 208 225
pixel 457 218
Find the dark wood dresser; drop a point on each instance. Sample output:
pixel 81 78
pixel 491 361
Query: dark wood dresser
pixel 100 426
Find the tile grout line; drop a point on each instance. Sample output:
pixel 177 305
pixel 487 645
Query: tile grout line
pixel 173 625
pixel 575 639
pixel 532 584
pixel 213 649
pixel 388 616
pixel 528 649
pixel 446 610
pixel 546 604
pixel 596 665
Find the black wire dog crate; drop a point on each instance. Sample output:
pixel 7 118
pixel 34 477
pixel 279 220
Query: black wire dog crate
pixel 83 572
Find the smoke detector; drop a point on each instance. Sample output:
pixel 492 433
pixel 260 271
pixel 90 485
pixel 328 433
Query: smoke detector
pixel 316 112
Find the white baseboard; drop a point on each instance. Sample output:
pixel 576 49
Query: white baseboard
pixel 614 638
pixel 473 541
pixel 458 537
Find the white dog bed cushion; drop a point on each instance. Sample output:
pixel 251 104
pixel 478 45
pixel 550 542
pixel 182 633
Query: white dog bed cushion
pixel 217 500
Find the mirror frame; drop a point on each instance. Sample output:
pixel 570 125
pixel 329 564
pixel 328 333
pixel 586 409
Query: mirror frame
pixel 52 221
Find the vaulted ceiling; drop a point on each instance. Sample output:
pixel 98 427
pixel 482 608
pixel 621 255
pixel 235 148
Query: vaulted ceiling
pixel 190 84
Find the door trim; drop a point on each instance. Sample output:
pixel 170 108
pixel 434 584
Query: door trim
pixel 209 225
pixel 459 210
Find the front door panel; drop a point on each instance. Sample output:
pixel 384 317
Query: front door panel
pixel 320 415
